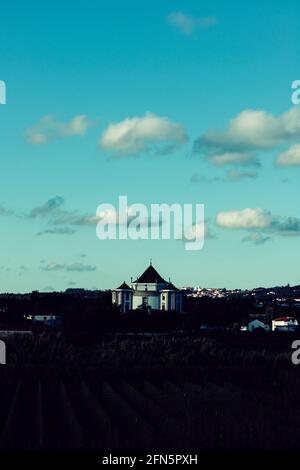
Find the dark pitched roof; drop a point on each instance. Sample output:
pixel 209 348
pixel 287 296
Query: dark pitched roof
pixel 124 286
pixel 150 275
pixel 170 286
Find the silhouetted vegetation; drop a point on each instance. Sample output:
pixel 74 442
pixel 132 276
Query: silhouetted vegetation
pixel 145 381
pixel 150 393
pixel 95 312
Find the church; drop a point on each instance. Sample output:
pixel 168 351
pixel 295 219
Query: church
pixel 150 290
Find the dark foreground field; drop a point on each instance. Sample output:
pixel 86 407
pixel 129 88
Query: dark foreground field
pixel 150 393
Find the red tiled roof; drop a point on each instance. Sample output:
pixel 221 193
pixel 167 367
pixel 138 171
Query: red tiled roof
pixel 284 319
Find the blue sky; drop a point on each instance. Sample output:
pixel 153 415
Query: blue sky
pixel 194 67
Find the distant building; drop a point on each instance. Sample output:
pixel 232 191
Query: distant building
pixel 50 320
pixel 122 296
pixel 150 291
pixel 12 330
pixel 284 324
pixel 256 324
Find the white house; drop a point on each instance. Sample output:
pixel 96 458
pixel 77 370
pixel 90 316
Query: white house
pixel 50 319
pixel 284 324
pixel 149 290
pixel 13 330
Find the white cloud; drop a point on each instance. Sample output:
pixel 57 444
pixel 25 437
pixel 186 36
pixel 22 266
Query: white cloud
pixel 253 128
pixel 52 267
pixel 250 131
pixel 198 178
pixel 233 175
pixel 188 25
pixel 48 129
pixel 256 238
pixel 259 223
pixel 78 267
pixel 57 231
pixel 244 219
pixel 137 134
pixel 290 157
pixel 256 130
pixel 237 175
pixel 233 158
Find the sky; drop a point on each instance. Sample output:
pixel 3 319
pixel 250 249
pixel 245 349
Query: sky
pixel 162 101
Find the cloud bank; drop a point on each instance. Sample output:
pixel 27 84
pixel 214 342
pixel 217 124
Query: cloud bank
pixel 249 132
pixel 259 223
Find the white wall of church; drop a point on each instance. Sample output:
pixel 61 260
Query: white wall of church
pixel 170 300
pixel 151 286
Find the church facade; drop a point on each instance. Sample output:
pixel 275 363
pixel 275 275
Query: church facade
pixel 150 290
